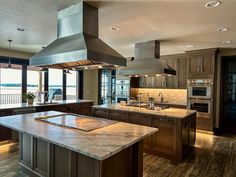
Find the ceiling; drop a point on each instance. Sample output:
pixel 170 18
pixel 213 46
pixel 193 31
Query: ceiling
pixel 176 23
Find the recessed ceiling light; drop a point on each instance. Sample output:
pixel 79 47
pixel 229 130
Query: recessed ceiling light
pixel 115 28
pixel 222 29
pixel 100 66
pixel 86 68
pixel 146 75
pixel 212 4
pixel 157 74
pixel 189 46
pixel 227 42
pixel 21 29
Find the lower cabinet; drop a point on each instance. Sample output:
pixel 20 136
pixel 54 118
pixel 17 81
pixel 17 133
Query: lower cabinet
pixel 164 141
pixel 174 139
pixel 121 116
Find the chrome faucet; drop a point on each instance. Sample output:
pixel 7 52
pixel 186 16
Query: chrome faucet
pixel 140 97
pixel 161 95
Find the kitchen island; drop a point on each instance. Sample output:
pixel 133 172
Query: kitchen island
pixel 177 127
pixel 76 106
pixel 46 149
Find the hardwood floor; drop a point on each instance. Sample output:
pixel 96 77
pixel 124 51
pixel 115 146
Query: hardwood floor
pixel 213 156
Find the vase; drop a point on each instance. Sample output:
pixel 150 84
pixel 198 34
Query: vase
pixel 30 101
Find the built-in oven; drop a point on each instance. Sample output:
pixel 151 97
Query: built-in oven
pixel 200 89
pixel 203 107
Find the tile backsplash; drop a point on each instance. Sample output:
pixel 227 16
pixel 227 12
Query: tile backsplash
pixel 178 96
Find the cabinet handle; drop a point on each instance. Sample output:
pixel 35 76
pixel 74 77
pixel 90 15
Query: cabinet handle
pixel 202 68
pixel 199 69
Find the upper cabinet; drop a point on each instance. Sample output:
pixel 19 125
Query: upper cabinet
pixel 178 63
pixel 201 63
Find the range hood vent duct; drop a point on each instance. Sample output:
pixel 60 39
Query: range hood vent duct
pixel 77 44
pixel 146 61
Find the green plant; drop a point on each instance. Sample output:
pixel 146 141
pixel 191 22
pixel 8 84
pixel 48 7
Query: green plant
pixel 29 95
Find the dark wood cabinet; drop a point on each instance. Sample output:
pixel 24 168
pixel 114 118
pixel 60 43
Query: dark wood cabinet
pixel 164 142
pixel 142 119
pixel 175 137
pixel 101 113
pixel 121 116
pixel 201 63
pixel 5 133
pixel 178 63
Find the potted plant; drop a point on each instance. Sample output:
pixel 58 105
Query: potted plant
pixel 30 97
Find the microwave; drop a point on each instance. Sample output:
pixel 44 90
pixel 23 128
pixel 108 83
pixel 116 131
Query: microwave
pixel 201 90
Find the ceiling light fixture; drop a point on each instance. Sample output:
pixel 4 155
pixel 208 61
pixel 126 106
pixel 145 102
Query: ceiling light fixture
pixel 146 75
pixel 212 4
pixel 86 68
pixel 222 29
pixel 157 75
pixel 115 28
pixel 21 29
pixel 227 42
pixel 100 67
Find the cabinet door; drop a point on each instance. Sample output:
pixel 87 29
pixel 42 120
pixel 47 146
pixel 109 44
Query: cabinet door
pixel 181 73
pixel 171 80
pixel 150 82
pixel 208 64
pixel 142 119
pixel 121 116
pixel 164 141
pixel 101 113
pixel 195 64
pixel 142 82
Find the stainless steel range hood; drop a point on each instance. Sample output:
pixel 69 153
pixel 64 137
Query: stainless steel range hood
pixel 78 44
pixel 146 61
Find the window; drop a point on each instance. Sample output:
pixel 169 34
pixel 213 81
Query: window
pixel 71 85
pixel 55 84
pixel 10 84
pixel 35 82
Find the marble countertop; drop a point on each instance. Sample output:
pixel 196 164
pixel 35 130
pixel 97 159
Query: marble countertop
pixel 25 105
pixel 100 144
pixel 169 112
pixel 170 103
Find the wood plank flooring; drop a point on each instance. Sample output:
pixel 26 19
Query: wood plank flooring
pixel 213 156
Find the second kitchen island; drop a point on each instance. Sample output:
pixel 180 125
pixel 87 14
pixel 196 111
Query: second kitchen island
pixel 177 127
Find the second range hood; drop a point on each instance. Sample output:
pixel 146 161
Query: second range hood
pixel 77 45
pixel 146 61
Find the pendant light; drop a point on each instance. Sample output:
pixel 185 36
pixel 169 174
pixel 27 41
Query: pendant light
pixel 9 54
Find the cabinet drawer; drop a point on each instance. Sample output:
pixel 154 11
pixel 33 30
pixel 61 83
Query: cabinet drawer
pixel 102 113
pixel 121 116
pixel 140 119
pixel 163 120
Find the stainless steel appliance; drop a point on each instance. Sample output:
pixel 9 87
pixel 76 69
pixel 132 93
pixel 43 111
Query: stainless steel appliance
pixel 146 61
pixel 200 88
pixel 78 45
pixel 202 106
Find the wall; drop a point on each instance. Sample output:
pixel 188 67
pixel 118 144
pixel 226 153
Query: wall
pixel 16 54
pixel 175 96
pixel 91 85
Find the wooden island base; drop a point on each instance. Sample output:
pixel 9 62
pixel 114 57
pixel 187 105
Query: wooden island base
pixel 41 158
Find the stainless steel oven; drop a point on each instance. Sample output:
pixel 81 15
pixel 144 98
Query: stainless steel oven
pixel 201 89
pixel 203 107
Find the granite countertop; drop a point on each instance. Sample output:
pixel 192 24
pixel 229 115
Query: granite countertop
pixel 25 105
pixel 100 144
pixel 169 112
pixel 170 103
